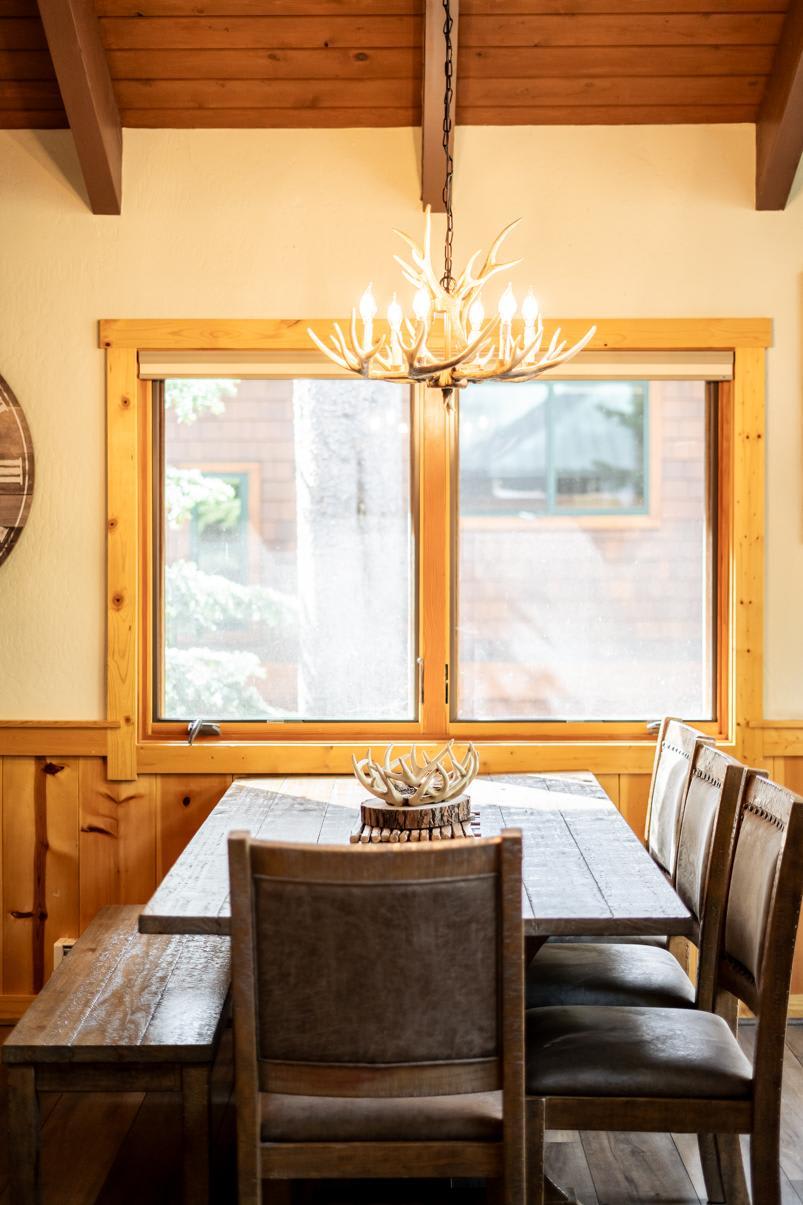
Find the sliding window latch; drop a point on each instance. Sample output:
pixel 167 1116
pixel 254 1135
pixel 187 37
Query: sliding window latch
pixel 201 728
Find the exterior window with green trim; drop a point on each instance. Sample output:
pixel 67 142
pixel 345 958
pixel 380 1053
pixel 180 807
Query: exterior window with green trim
pixel 555 448
pixel 219 525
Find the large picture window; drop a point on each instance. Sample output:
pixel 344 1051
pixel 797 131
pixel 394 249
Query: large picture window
pixel 581 552
pixel 329 563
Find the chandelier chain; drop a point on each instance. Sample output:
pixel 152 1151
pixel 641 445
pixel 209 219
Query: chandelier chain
pixel 447 279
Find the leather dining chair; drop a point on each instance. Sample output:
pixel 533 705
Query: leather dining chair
pixel 682 1070
pixel 614 973
pixel 674 750
pixel 378 1012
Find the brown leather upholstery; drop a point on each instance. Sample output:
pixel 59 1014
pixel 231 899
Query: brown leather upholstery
pixel 472 1117
pixel 633 1052
pixel 698 821
pixel 607 974
pixel 755 863
pixel 371 962
pixel 668 788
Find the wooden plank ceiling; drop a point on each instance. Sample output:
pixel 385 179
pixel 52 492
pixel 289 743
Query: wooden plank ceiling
pixel 295 63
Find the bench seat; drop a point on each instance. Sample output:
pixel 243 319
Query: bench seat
pixel 123 1012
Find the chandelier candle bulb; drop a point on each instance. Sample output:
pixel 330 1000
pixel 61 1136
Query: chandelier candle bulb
pixel 476 317
pixel 368 308
pixel 529 312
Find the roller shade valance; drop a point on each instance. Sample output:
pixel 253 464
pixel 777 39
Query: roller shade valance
pixel 594 365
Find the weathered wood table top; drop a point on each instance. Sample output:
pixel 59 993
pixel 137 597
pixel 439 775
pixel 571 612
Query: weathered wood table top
pixel 585 872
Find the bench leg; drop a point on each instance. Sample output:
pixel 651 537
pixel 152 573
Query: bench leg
pixel 23 1135
pixel 195 1125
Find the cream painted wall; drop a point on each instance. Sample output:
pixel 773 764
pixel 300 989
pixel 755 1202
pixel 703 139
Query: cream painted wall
pixel 636 221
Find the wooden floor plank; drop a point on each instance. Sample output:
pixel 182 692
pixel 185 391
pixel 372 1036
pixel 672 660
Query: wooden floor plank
pixel 637 1168
pixel 565 1162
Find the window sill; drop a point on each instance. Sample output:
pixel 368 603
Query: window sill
pixel 211 756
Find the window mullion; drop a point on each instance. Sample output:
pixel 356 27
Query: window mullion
pixel 435 565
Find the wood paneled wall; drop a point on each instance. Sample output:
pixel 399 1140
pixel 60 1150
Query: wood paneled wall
pixel 73 841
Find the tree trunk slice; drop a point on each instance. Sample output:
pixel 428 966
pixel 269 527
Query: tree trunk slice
pixel 382 824
pixel 429 815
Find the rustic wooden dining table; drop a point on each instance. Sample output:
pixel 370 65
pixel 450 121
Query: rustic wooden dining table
pixel 584 870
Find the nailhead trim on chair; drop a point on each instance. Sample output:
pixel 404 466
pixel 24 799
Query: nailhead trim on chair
pixel 674 749
pixel 765 814
pixel 705 777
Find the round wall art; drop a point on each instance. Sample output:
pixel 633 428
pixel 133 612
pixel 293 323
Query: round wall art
pixel 16 470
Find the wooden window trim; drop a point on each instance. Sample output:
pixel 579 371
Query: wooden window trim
pixel 611 747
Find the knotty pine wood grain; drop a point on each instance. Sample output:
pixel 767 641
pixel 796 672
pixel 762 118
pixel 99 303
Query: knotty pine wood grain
pixel 118 839
pixel 367 95
pixel 403 63
pixel 182 805
pixel 634 791
pixel 266 8
pixel 40 866
pixel 265 33
pixel 122 554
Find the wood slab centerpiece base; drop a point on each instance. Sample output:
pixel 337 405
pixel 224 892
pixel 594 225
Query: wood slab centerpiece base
pixel 382 822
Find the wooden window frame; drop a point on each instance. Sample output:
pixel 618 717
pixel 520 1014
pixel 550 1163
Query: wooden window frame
pixel 133 746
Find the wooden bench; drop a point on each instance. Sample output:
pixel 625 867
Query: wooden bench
pixel 124 1012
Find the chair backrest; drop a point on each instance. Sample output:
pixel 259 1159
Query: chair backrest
pixel 705 840
pixel 391 971
pixel 761 916
pixel 670 776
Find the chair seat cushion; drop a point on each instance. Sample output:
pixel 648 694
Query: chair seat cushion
pixel 474 1117
pixel 607 974
pixel 588 1050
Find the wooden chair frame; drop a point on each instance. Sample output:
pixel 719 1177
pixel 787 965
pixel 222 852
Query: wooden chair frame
pixel 722 1120
pixel 257 1160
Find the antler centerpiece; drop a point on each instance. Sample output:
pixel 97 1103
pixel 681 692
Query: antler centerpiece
pixel 404 782
pixel 419 801
pixel 448 343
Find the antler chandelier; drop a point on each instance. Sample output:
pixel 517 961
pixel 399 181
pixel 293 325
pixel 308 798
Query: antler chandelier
pixel 448 342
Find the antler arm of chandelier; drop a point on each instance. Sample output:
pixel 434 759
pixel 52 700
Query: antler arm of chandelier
pixel 449 314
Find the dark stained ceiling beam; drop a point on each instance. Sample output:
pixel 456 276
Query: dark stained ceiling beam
pixel 432 158
pixel 73 38
pixel 779 132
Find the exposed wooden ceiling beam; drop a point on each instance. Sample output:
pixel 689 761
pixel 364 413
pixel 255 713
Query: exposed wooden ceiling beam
pixel 779 132
pixel 73 38
pixel 432 166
